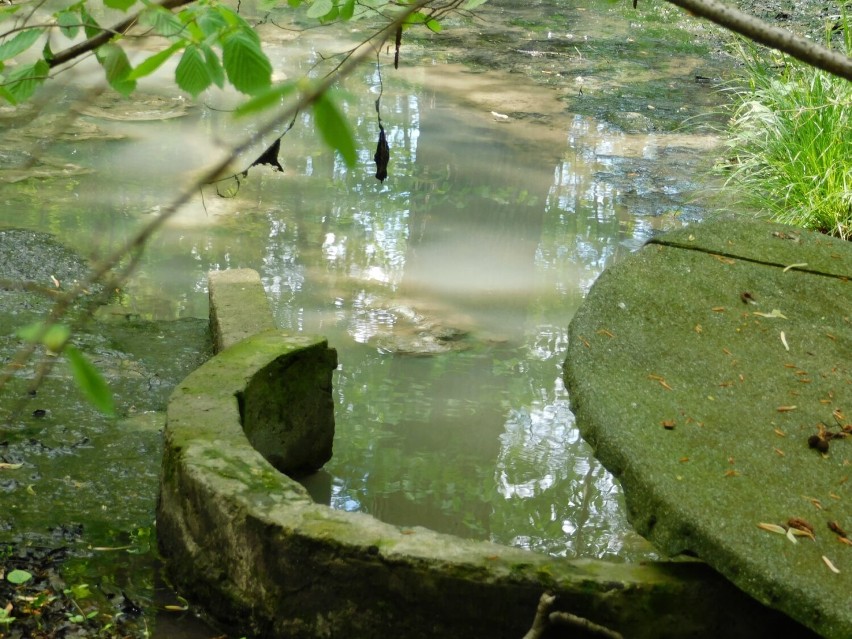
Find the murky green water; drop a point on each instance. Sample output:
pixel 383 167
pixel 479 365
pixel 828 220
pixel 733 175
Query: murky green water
pixel 448 289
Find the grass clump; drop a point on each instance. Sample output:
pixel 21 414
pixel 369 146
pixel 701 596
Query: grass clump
pixel 790 141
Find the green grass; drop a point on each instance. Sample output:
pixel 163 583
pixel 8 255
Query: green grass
pixel 790 140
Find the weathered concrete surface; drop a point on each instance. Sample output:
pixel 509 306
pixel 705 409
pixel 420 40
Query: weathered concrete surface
pixel 238 306
pixel 247 543
pixel 698 369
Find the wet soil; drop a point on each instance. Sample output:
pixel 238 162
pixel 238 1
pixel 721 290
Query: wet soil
pixel 89 553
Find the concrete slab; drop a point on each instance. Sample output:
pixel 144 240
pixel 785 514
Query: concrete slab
pixel 702 370
pixel 238 306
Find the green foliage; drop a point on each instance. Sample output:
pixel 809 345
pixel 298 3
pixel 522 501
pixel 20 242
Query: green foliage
pixel 22 41
pixel 334 128
pixel 790 143
pixel 117 67
pixel 90 381
pixel 52 336
pixel 18 577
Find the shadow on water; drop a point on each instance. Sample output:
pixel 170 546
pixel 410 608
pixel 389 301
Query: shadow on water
pixel 447 289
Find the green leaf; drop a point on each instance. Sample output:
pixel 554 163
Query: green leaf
pixel 163 21
pixel 20 43
pixel 234 19
pixel 53 338
pixel 114 61
pixel 23 81
pixel 334 129
pixel 214 67
pixel 320 8
pixel 151 64
pixel 266 98
pixel 347 10
pixel 247 66
pixel 69 23
pixel 90 25
pixel 191 74
pixel 433 25
pixel 211 21
pixel 19 577
pixel 5 94
pixel 121 5
pixel 90 381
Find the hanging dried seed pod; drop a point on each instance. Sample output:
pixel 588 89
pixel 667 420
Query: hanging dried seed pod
pixel 382 156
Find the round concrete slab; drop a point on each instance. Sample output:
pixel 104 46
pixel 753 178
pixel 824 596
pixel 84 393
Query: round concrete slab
pixel 701 369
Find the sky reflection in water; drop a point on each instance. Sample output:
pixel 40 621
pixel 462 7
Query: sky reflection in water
pixel 493 229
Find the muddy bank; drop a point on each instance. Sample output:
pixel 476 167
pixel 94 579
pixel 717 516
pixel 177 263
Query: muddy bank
pixel 78 487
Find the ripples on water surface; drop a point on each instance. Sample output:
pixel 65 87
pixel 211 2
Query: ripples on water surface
pixel 478 250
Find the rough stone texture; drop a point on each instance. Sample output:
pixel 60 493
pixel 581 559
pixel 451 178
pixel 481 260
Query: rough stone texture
pixel 681 381
pixel 247 543
pixel 238 306
pixel 288 412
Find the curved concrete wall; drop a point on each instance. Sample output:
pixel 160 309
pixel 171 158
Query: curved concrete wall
pixel 247 543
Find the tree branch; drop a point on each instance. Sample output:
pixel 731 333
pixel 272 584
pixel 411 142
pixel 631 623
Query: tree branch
pixel 771 36
pixel 544 619
pixel 107 34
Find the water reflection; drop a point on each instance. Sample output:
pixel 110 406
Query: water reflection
pixel 489 232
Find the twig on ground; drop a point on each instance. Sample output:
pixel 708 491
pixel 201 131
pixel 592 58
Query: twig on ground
pixel 544 619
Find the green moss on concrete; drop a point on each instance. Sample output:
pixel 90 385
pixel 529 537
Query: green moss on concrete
pixel 683 385
pixel 238 306
pixel 247 542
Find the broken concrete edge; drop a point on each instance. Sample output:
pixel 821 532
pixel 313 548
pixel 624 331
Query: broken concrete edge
pixel 238 306
pixel 247 544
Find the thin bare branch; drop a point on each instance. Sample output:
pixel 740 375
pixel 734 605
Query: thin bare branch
pixel 771 36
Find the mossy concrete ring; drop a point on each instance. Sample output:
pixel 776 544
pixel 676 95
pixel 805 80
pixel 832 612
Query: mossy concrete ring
pixel 245 542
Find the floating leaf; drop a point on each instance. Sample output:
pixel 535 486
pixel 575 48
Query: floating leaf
pixel 20 43
pixel 334 129
pixel 8 466
pixel 247 66
pixel 19 576
pixel 90 381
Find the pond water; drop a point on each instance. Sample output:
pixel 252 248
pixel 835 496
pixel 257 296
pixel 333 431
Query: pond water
pixel 447 290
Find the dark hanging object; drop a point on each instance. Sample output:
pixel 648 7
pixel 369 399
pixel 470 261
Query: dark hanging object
pixel 270 157
pixel 382 156
pixel 397 44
